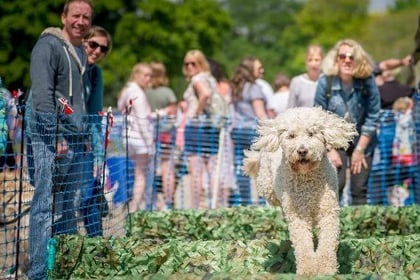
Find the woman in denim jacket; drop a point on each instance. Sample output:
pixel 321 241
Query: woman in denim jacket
pixel 347 88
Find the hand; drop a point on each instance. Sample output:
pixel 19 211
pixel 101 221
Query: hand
pixel 335 158
pixel 62 148
pixel 406 60
pixel 358 161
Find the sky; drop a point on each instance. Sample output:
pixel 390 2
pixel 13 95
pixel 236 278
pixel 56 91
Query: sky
pixel 379 5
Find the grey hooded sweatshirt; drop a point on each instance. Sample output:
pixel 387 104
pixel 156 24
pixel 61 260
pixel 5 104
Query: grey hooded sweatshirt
pixel 57 79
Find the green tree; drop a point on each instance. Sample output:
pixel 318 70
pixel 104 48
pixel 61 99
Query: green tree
pixel 277 32
pixel 142 30
pixel 322 22
pixel 21 23
pixel 163 30
pixel 257 27
pixel 400 5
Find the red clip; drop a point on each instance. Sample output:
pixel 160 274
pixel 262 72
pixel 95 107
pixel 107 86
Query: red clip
pixel 110 117
pixel 67 110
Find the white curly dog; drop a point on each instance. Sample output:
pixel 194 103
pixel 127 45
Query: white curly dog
pixel 290 165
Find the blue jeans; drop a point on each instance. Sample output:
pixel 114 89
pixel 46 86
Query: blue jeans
pixel 56 180
pixel 91 213
pixel 242 139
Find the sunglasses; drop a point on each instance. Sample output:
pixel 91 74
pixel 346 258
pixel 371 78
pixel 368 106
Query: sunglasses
pixel 94 45
pixel 189 63
pixel 343 56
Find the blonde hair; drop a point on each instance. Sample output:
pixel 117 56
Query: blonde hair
pixel 314 48
pixel 363 64
pixel 159 77
pixel 402 104
pixel 199 58
pixel 137 68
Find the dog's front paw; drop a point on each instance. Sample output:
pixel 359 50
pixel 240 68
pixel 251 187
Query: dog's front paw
pixel 306 265
pixel 327 264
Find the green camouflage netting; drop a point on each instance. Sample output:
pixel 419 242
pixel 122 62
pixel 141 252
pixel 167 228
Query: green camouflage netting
pixel 240 243
pixel 256 222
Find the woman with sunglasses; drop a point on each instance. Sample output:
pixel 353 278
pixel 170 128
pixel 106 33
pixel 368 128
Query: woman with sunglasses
pixel 347 88
pixel 201 138
pixel 98 45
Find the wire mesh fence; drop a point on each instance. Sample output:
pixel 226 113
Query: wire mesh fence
pixel 190 163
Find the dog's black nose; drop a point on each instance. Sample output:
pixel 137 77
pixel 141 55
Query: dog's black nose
pixel 302 151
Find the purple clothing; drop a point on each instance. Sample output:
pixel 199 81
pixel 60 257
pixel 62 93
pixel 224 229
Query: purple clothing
pixel 244 115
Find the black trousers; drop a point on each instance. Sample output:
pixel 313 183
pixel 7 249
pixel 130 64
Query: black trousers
pixel 358 182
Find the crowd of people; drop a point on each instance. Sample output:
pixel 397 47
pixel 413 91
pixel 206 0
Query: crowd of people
pixel 65 136
pixel 346 82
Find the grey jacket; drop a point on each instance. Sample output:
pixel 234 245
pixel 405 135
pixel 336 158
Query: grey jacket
pixel 57 73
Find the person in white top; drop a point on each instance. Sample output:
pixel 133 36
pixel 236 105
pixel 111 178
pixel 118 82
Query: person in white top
pixel 133 102
pixel 303 86
pixel 281 94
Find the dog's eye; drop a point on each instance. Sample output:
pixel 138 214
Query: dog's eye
pixel 291 135
pixel 310 133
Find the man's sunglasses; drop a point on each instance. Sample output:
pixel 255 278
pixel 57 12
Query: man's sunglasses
pixel 94 45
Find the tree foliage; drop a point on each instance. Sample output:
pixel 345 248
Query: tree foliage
pixel 20 25
pixel 405 5
pixel 276 31
pixel 258 30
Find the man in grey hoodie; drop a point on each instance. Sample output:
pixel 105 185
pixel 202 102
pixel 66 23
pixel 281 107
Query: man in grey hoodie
pixel 57 129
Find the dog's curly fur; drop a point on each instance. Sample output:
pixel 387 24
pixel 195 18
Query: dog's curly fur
pixel 289 162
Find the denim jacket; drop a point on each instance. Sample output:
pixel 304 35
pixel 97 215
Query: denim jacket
pixel 362 106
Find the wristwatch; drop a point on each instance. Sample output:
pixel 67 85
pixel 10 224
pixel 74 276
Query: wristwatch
pixel 359 149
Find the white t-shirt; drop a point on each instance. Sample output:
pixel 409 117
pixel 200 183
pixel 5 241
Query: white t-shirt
pixel 279 101
pixel 302 92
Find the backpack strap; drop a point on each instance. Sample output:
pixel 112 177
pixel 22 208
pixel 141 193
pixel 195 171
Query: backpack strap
pixel 364 88
pixel 328 92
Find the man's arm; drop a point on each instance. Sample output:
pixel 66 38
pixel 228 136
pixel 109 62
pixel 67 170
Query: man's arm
pixel 393 63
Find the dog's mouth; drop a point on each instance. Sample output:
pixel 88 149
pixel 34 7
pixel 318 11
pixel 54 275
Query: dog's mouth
pixel 303 161
pixel 304 165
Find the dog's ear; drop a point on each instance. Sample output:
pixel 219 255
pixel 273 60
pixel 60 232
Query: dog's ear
pixel 337 131
pixel 251 163
pixel 268 139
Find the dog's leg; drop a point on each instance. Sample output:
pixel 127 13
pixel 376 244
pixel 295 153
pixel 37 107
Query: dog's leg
pixel 300 232
pixel 329 230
